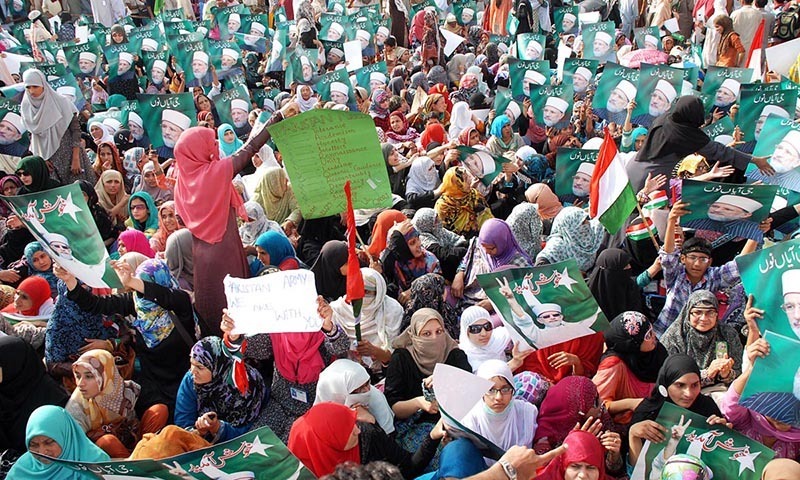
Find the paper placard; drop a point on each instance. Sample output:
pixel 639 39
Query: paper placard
pixel 588 17
pixel 453 41
pixel 482 115
pixel 280 302
pixel 672 25
pixel 781 57
pixel 82 33
pixel 352 55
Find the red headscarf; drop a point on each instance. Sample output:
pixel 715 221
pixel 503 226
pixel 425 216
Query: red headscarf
pixel 583 448
pixel 434 132
pixel 136 241
pixel 117 162
pixel 463 137
pixel 200 173
pixel 441 89
pixel 318 438
pixel 380 232
pixel 37 289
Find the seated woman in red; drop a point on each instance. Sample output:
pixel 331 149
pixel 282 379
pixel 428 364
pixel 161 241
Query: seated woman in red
pixel 578 356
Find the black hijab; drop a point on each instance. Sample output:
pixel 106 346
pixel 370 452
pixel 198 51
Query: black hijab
pixel 123 140
pixel 624 337
pixel 612 285
pixel 331 284
pixel 676 133
pixel 674 368
pixel 90 192
pixel 37 168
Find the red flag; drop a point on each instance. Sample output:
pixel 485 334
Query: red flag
pixel 355 282
pixel 758 42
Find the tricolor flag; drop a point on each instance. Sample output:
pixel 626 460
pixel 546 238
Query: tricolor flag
pixel 355 282
pixel 640 231
pixel 658 199
pixel 611 198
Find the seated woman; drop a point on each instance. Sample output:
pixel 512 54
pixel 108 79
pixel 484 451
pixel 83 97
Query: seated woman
pixel 448 247
pixel 503 138
pixel 330 434
pixel 220 396
pixel 526 225
pixel 480 340
pixel 384 223
pixel 107 159
pixel 347 382
pixel 461 208
pixel 499 417
pixel 51 431
pixel 27 317
pixel 143 214
pixel 586 457
pixel 168 223
pixel 714 346
pixel 277 198
pixel 274 249
pixel 180 259
pixel 629 367
pixel 422 183
pixel 134 241
pixel 256 223
pixel 428 291
pixel 612 285
pixel 111 194
pixel 405 260
pixel 228 142
pixel 152 182
pixel 380 319
pixel 104 404
pixel 40 264
pixel 330 270
pixel 105 226
pixel 574 235
pixel 400 132
pixel 547 203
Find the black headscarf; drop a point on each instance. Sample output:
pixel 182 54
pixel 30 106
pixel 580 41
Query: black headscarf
pixel 89 190
pixel 37 168
pixel 678 132
pixel 612 285
pixel 674 368
pixel 331 284
pixel 624 337
pixel 123 140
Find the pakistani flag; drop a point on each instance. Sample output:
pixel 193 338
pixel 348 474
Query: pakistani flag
pixel 61 221
pixel 611 197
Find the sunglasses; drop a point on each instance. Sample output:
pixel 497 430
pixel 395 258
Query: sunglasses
pixel 138 207
pixel 23 173
pixel 476 329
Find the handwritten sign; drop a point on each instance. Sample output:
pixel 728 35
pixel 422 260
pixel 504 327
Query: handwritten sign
pixel 322 149
pixel 280 302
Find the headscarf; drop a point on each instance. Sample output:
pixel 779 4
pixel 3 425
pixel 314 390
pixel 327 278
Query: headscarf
pixel 30 250
pixel 202 171
pixel 274 195
pixel 426 352
pixel 111 404
pixel 153 321
pixel 460 119
pixel 431 230
pixel 380 316
pixel 682 337
pixel 38 290
pixel 380 231
pixel 498 342
pixel 545 199
pixel 531 387
pixel 375 109
pixel 4 211
pixel 48 117
pixel 151 223
pixel 612 285
pixel 277 246
pixel 407 135
pixel 674 367
pixel 567 403
pixel 56 423
pixel 116 163
pixel 498 124
pixel 329 280
pixel 583 448
pixel 159 239
pixel 456 208
pixel 342 377
pixel 318 438
pixel 570 237
pixel 526 226
pixel 496 232
pixel 107 132
pixel 624 337
pixel 434 132
pixel 427 291
pixel 678 132
pixel 423 176
pixel 136 241
pixel 419 80
pixel 122 140
pixel 250 231
pixel 134 259
pixel 226 149
pixel 463 137
pixel 131 165
pixel 103 198
pixel 36 167
pixel 236 389
pixel 179 256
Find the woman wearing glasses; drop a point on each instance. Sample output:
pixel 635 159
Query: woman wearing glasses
pixel 482 342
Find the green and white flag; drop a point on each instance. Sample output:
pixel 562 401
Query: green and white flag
pixel 580 73
pixel 544 306
pixel 726 452
pixel 530 46
pixel 524 74
pixel 552 105
pixel 574 168
pixel 253 43
pixel 659 87
pixel 481 164
pixel 721 86
pixel 616 88
pixel 773 388
pixel 61 221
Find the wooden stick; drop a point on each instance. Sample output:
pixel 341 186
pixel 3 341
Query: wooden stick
pixel 649 232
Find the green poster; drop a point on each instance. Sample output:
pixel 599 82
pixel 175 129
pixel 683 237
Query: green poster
pixel 166 16
pixel 530 46
pixel 783 198
pixel 465 11
pixel 149 37
pixel 336 6
pixel 256 455
pixel 728 208
pixel 77 246
pixel 226 57
pixel 84 59
pixel 580 72
pixel 14 137
pixel 565 20
pixel 574 168
pixel 617 87
pixel 336 28
pixel 120 59
pixel 302 67
pixel 773 388
pixel 278 55
pixel 253 43
pixel 598 42
pixel 544 306
pixel 194 59
pixel 322 149
pixel 722 86
pixel 779 139
pixel 755 105
pixel 155 65
pixel 229 20
pixel 690 76
pixel 372 76
pixel 552 105
pixel 771 276
pixel 335 87
pixel 254 24
pixel 68 86
pixel 523 74
pixel 727 453
pixel 416 7
pixel 659 87
pixel 234 106
pixel 647 38
pixel 502 98
pixel 721 131
pixel 506 40
pixel 481 164
pixel 165 117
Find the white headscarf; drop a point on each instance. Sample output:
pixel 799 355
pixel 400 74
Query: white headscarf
pixel 380 317
pixel 47 117
pixel 460 119
pixel 494 350
pixel 516 425
pixel 268 160
pixel 342 377
pixel 423 176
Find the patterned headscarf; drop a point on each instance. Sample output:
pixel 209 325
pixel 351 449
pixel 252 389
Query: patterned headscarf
pixel 30 250
pixel 526 225
pixel 531 387
pixel 153 321
pixel 570 237
pixel 427 291
pixel 111 403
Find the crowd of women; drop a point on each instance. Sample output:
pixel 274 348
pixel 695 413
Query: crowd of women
pixel 85 373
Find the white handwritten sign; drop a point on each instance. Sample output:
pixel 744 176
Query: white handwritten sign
pixel 280 302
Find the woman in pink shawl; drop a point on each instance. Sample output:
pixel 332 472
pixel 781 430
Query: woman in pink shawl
pixel 209 213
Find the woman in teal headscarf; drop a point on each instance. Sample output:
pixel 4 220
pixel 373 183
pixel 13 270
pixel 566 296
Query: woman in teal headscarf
pixel 274 249
pixel 228 141
pixel 41 264
pixel 503 139
pixel 52 431
pixel 145 220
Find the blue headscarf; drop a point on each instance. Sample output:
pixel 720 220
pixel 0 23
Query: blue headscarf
pixel 153 321
pixel 56 423
pixel 636 133
pixel 30 250
pixel 499 122
pixel 152 219
pixel 276 245
pixel 227 149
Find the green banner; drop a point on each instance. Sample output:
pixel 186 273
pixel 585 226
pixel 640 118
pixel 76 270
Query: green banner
pixel 120 59
pixel 372 76
pixel 253 43
pixel 756 104
pixel 574 168
pixel 233 106
pixel 779 139
pixel 155 64
pixel 728 208
pixel 465 12
pixel 278 55
pixel 481 164
pixel 14 137
pixel 302 67
pixel 773 388
pixel 524 74
pixel 226 58
pixel 552 105
pixel 335 87
pixel 580 73
pixel 322 149
pixel 727 453
pixel 720 131
pixel 544 306
pixel 61 221
pixel 165 118
pixel 722 85
pixel 617 87
pixel 647 38
pixel 530 46
pixel 149 37
pixel 598 42
pixel 336 28
pixel 84 59
pixel 229 20
pixel 659 87
pixel 195 60
pixel 565 20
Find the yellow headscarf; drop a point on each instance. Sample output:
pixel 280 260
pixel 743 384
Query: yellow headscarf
pixel 110 404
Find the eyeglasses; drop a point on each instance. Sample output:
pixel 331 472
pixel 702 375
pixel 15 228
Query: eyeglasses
pixel 139 207
pixel 790 308
pixel 23 173
pixel 503 391
pixel 476 329
pixel 697 259
pixel 708 312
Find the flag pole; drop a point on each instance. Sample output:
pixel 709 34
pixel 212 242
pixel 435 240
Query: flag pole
pixel 649 232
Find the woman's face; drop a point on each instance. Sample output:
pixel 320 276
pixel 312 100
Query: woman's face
pixel 87 382
pixel 22 301
pixel 139 210
pixel 97 132
pixel 396 123
pixel 168 219
pixel 703 319
pixel 581 471
pixel 305 92
pixel 353 440
pixel 393 158
pixel 44 445
pixel 506 131
pixel 474 138
pixel 200 374
pixel 684 391
pixel 106 157
pixel 121 247
pixel 649 343
pixel 112 186
pixel 263 255
pixel 229 136
pixel 482 338
pixel 10 188
pixel 431 330
pixel 415 245
pixel 440 106
pixel 499 396
pixel 42 261
pixel 490 249
pixel 34 91
pixel 204 103
pixel 150 179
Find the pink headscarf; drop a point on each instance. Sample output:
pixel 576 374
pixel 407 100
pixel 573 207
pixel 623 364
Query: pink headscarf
pixel 136 241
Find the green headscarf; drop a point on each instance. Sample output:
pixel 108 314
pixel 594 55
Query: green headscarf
pixel 37 168
pixel 152 219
